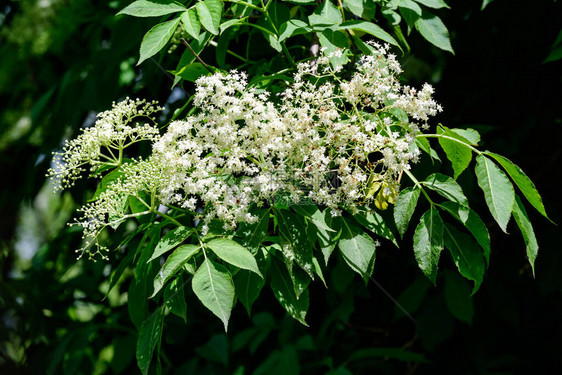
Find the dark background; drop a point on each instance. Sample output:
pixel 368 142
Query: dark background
pixel 497 82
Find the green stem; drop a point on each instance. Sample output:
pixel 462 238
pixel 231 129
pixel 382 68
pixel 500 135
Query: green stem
pixel 167 217
pixel 419 186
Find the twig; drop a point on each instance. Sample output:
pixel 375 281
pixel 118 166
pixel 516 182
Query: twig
pixel 196 55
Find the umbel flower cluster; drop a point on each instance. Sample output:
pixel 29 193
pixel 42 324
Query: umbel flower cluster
pixel 335 142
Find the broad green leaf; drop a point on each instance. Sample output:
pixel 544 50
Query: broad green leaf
pixel 324 16
pixel 412 6
pixel 333 41
pixel 425 146
pixel 428 243
pixel 473 223
pixel 292 229
pixel 328 239
pixel 376 224
pixel 213 286
pixel 369 28
pixel 458 298
pixel 191 22
pixel 151 8
pixel 313 214
pixel 282 287
pixel 469 135
pixel 434 30
pixel 466 255
pixel 173 264
pixel 292 28
pixel 172 239
pixel 357 249
pixel 150 333
pixel 248 287
pixel 210 12
pixel 106 181
pixel 410 11
pixel 137 302
pixel 361 8
pixel 318 270
pixel 523 182
pixel 156 38
pixel 174 298
pixel 252 236
pixel 193 72
pixel 524 224
pixel 497 189
pixel 458 153
pixel 446 187
pixel 301 280
pixel 404 208
pixel 232 252
pixel 435 4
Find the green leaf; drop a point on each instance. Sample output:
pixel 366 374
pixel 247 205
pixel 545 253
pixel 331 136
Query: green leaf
pixel 435 4
pixel 193 72
pixel 150 334
pixel 191 23
pixel 446 187
pixel 361 8
pixel 292 28
pixel 404 208
pixel 524 224
pixel 458 298
pixel 369 28
pixel 328 239
pixel 434 30
pixel 172 239
pixel 210 12
pixel 173 264
pixel 466 254
pixel 358 250
pixel 458 153
pixel 376 224
pixel 151 8
pixel 313 214
pixel 156 38
pixel 282 287
pixel 214 287
pixel 332 41
pixel 428 243
pixel 497 189
pixel 253 235
pixel 473 223
pixel 234 253
pixel 292 229
pixel 523 182
pixel 425 146
pixel 325 16
pixel 174 298
pixel 248 287
pixel 106 181
pixel 467 135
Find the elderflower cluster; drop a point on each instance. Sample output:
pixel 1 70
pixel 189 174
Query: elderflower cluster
pixel 110 208
pixel 335 142
pixel 103 143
